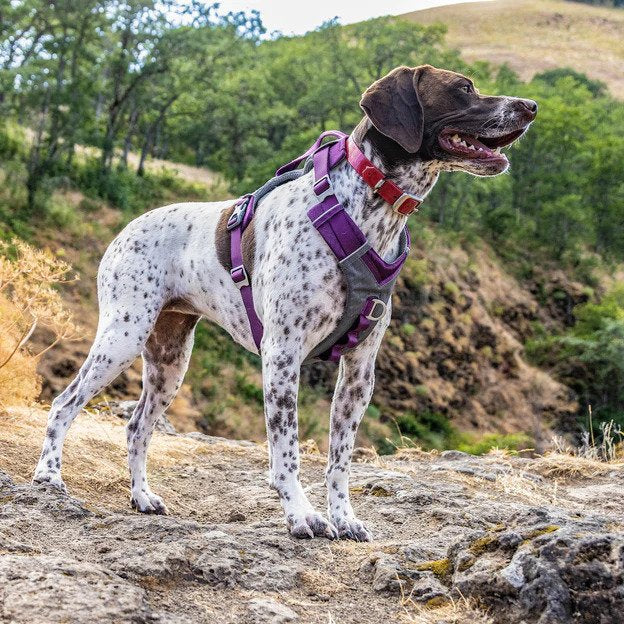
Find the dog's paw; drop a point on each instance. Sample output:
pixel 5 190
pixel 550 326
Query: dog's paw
pixel 351 528
pixel 311 524
pixel 148 503
pixel 52 479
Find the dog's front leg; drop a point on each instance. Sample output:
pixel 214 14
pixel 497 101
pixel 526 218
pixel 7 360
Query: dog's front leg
pixel 280 372
pixel 354 388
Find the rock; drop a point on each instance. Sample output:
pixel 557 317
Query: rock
pixel 385 571
pixel 202 437
pixel 44 588
pixel 363 454
pixel 451 455
pixel 551 567
pixel 560 575
pixel 265 610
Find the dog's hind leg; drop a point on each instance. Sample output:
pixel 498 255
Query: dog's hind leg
pixel 165 360
pixel 354 388
pixel 116 346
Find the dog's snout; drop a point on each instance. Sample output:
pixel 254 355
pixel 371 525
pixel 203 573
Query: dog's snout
pixel 530 106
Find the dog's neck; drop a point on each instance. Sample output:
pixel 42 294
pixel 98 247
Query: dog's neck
pixel 381 225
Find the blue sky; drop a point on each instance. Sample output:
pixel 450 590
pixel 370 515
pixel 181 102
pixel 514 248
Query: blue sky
pixel 299 16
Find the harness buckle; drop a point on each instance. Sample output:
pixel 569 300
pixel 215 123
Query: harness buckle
pixel 402 199
pixel 237 216
pixel 239 276
pixel 376 317
pixel 322 185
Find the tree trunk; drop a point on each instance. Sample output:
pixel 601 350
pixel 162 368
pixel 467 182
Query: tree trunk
pixel 134 116
pixel 145 148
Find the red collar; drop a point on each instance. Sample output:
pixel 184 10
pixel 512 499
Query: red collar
pixel 403 203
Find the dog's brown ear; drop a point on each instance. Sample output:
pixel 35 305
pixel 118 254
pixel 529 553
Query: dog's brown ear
pixel 392 105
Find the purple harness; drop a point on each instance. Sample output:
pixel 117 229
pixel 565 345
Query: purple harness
pixel 370 279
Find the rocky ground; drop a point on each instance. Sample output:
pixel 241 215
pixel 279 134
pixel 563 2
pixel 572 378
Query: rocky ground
pixel 456 538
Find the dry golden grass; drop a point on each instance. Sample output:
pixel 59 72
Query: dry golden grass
pixel 319 581
pixel 28 299
pixel 535 35
pixel 520 485
pixel 461 611
pixel 19 382
pixel 572 466
pixel 95 455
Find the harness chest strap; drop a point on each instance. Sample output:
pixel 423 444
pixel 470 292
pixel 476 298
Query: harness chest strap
pixel 370 279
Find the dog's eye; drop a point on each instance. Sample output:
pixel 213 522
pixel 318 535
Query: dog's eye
pixel 467 88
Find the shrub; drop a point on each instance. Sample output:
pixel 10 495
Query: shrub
pixel 28 300
pixel 590 356
pixel 510 442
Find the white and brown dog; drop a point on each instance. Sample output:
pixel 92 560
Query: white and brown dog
pixel 165 271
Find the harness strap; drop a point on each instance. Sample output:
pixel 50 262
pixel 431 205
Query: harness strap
pixel 350 246
pixel 297 161
pixel 240 219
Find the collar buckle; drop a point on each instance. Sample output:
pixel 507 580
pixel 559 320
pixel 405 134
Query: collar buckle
pixel 413 203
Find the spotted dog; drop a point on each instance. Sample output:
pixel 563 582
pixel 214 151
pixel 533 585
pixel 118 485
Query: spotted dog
pixel 166 270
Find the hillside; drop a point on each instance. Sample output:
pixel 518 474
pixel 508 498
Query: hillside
pixel 458 539
pixel 452 367
pixel 498 267
pixel 535 35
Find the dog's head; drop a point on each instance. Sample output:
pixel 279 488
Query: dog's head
pixel 434 114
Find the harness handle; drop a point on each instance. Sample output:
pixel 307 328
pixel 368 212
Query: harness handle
pixel 293 164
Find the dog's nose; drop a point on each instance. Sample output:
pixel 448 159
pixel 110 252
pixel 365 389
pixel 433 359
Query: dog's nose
pixel 530 106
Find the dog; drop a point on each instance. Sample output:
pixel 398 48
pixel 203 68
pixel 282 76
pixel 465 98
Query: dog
pixel 166 270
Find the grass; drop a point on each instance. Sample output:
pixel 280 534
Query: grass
pixel 454 611
pixel 94 456
pixel 28 299
pixel 573 466
pixel 570 34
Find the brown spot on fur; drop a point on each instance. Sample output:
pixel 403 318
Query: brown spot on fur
pixel 170 331
pixel 222 239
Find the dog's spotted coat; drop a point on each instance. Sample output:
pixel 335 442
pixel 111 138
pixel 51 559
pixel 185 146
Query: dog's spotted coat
pixel 162 273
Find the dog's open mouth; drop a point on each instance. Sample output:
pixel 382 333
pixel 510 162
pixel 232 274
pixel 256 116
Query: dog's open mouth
pixel 473 147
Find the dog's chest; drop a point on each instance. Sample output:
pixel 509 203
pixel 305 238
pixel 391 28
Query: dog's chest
pixel 299 286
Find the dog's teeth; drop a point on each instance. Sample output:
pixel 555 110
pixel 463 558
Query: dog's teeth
pixel 472 147
pixel 497 150
pixel 480 149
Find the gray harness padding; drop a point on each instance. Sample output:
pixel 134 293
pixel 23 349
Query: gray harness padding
pixel 361 284
pixel 273 183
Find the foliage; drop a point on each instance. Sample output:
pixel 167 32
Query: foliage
pixel 148 55
pixel 551 76
pixel 610 3
pixel 590 356
pixel 183 81
pixel 510 442
pixel 28 300
pixel 430 430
